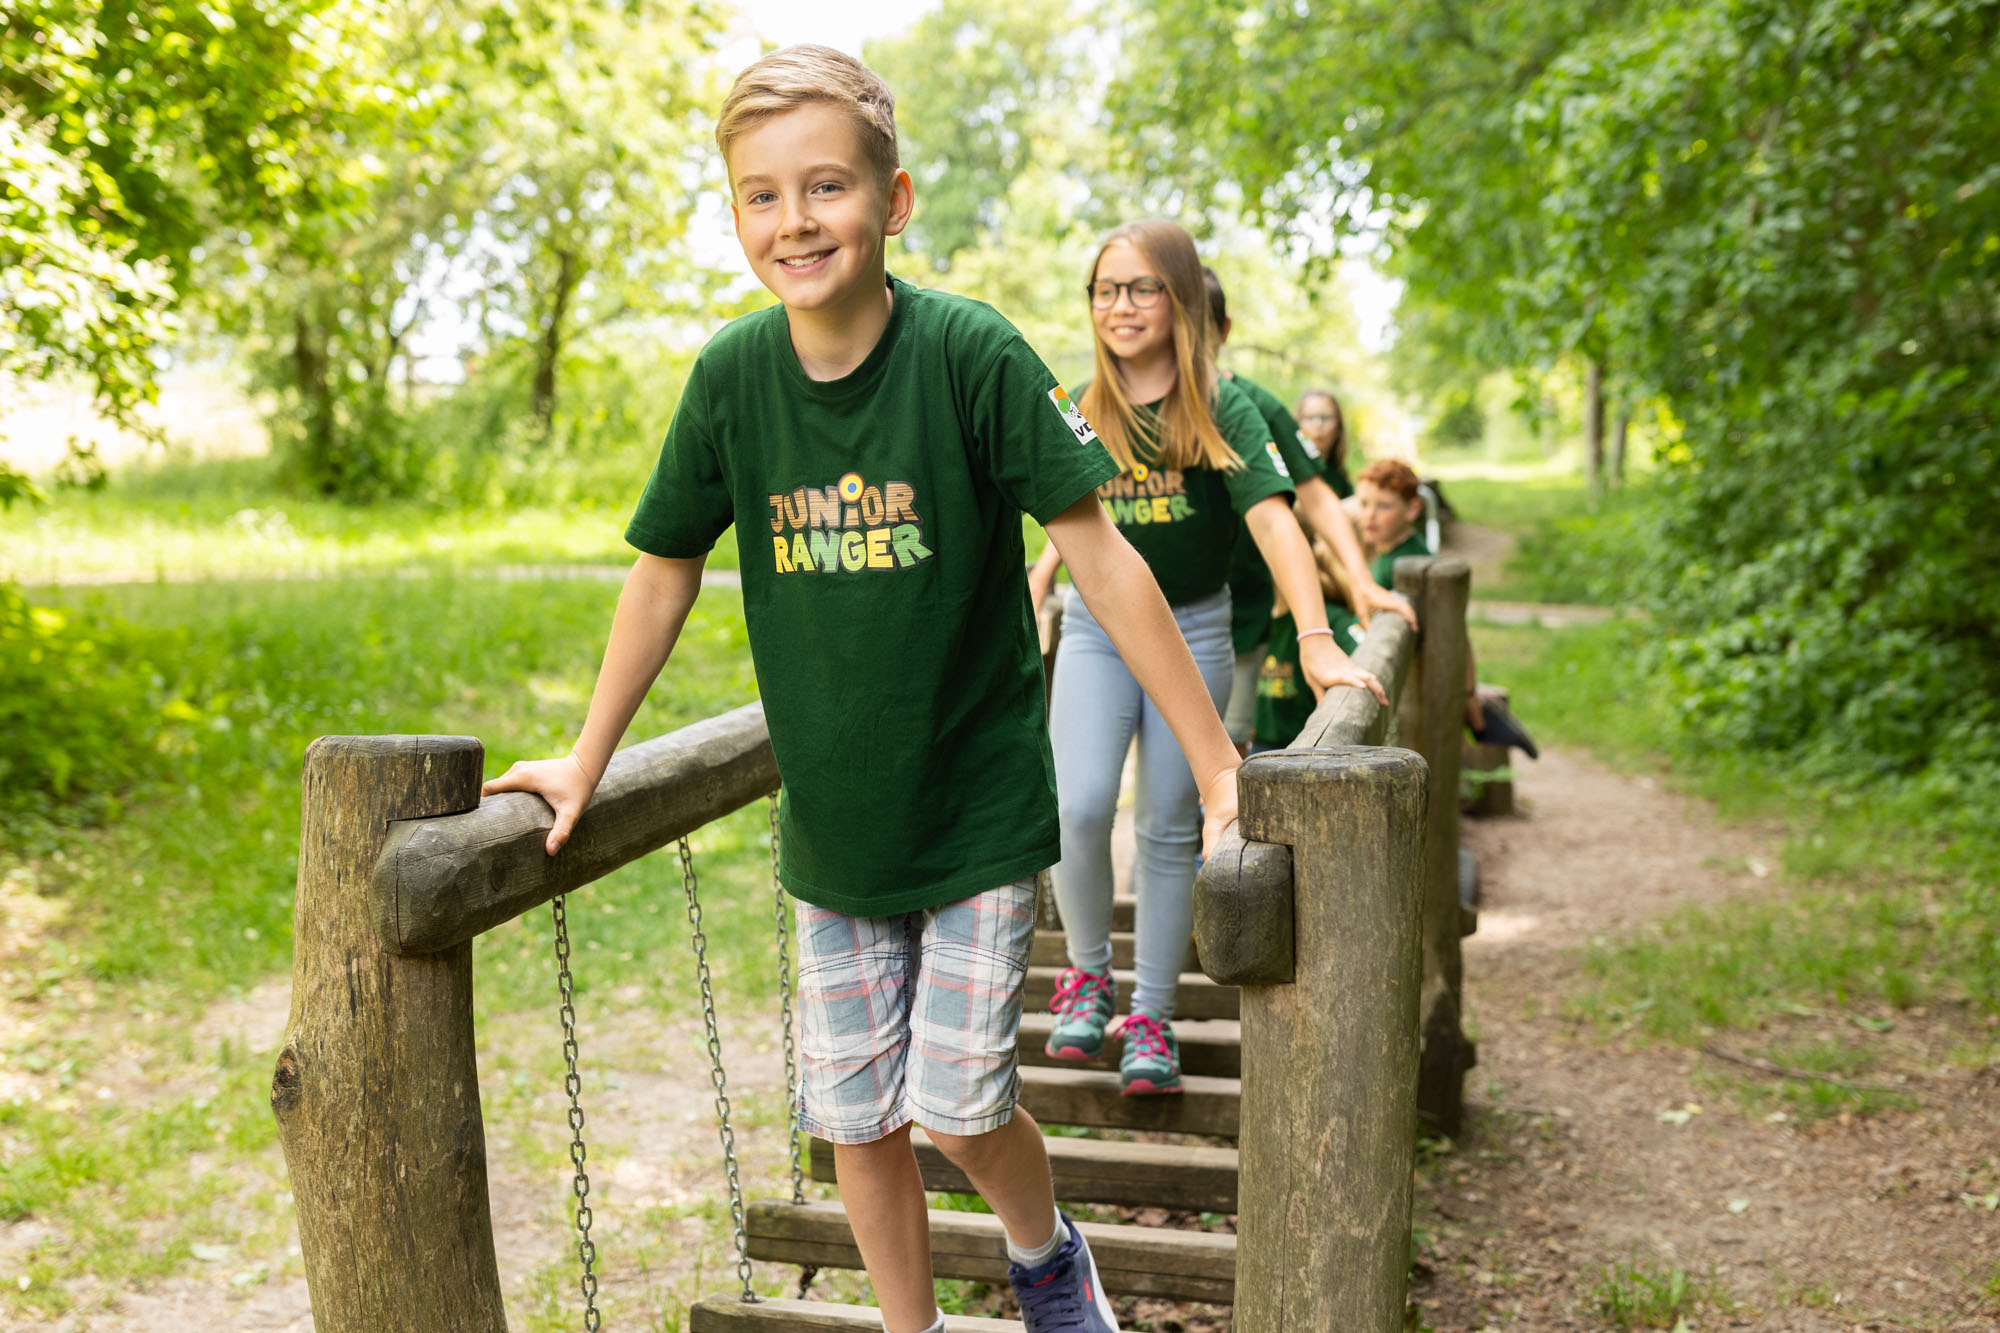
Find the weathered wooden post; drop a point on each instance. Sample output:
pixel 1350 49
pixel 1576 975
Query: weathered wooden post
pixel 1432 716
pixel 1328 1143
pixel 376 1089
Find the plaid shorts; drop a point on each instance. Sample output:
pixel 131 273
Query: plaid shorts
pixel 912 1017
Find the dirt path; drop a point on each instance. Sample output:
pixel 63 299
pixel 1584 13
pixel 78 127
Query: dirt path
pixel 1570 1169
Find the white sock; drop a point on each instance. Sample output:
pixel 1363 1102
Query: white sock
pixel 1042 1253
pixel 936 1325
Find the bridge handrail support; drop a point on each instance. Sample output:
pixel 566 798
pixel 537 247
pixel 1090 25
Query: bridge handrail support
pixel 1319 906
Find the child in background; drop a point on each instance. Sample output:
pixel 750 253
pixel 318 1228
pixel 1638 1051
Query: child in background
pixel 1323 426
pixel 1196 460
pixel 1251 592
pixel 874 447
pixel 1386 495
pixel 1281 704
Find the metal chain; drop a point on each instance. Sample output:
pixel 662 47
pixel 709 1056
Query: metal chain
pixel 586 1250
pixel 779 911
pixel 716 1075
pixel 779 914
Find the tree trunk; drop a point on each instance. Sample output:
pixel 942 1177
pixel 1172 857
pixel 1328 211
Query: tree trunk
pixel 1593 430
pixel 1624 424
pixel 309 370
pixel 550 347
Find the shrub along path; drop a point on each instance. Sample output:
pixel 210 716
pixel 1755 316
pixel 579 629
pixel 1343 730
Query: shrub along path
pixel 1611 1183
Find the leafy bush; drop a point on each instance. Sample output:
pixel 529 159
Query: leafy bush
pixel 81 717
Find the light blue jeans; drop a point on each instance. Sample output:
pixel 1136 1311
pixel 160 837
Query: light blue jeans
pixel 1095 710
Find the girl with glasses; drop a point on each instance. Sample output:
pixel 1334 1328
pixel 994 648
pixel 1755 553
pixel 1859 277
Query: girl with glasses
pixel 1197 460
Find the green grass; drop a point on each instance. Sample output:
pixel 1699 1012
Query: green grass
pixel 1637 1295
pixel 1882 901
pixel 187 899
pixel 231 519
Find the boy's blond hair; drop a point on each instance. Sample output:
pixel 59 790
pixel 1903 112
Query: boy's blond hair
pixel 797 76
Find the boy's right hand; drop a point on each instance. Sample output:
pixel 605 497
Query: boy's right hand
pixel 563 783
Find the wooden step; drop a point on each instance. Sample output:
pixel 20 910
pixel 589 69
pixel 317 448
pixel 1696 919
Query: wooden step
pixel 1198 997
pixel 1163 1175
pixel 1134 1261
pixel 728 1314
pixel 1050 950
pixel 1208 1046
pixel 1124 910
pixel 1079 1095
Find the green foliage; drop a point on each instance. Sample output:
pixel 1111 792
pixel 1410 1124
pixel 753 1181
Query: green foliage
pixel 1640 1295
pixel 1779 217
pixel 128 133
pixel 985 95
pixel 81 715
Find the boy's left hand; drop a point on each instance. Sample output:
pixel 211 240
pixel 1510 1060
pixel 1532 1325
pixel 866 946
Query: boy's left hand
pixel 1326 668
pixel 1218 808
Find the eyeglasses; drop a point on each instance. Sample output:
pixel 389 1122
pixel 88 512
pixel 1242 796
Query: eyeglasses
pixel 1145 293
pixel 1317 416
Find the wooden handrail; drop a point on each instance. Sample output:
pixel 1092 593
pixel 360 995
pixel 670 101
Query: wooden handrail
pixel 441 881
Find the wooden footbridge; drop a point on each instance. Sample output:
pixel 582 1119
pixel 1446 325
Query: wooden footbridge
pixel 1323 1022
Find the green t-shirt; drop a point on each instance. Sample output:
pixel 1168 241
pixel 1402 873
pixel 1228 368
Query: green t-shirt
pixel 1250 589
pixel 1184 520
pixel 885 588
pixel 1383 567
pixel 1284 700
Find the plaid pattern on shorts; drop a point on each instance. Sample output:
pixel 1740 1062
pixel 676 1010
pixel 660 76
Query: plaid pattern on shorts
pixel 912 1017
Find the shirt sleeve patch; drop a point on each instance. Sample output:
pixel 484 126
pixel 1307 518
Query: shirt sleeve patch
pixel 1071 416
pixel 1277 459
pixel 1305 443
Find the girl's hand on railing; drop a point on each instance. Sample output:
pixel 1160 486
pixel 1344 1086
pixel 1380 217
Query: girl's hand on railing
pixel 564 783
pixel 1218 808
pixel 1374 597
pixel 1326 668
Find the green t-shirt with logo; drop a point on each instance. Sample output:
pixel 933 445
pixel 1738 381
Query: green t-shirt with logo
pixel 1184 520
pixel 885 589
pixel 1284 700
pixel 1251 592
pixel 1383 566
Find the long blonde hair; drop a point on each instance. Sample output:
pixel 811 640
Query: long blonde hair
pixel 1184 434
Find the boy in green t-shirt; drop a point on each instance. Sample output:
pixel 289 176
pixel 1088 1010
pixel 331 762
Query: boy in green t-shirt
pixel 874 446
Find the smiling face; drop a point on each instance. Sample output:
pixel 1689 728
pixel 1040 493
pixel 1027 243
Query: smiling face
pixel 812 213
pixel 1386 517
pixel 1319 418
pixel 1128 332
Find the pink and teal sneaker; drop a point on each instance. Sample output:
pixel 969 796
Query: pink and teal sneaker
pixel 1151 1063
pixel 1082 1006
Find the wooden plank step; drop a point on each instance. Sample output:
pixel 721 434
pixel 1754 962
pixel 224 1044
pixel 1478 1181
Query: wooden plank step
pixel 1124 910
pixel 1198 997
pixel 1135 1261
pixel 1210 1046
pixel 1163 1175
pixel 1049 950
pixel 728 1314
pixel 1079 1095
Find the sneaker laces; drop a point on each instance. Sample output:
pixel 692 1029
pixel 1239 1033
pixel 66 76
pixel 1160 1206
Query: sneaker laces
pixel 1145 1037
pixel 1077 991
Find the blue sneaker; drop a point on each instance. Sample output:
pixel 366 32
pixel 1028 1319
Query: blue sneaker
pixel 1063 1295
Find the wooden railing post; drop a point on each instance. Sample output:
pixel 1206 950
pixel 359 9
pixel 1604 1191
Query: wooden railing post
pixel 1431 719
pixel 376 1090
pixel 1328 1140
